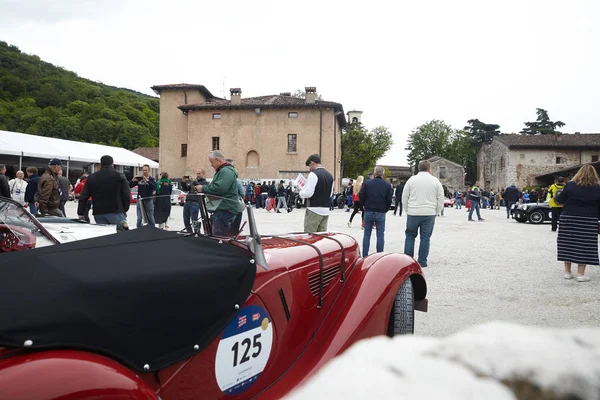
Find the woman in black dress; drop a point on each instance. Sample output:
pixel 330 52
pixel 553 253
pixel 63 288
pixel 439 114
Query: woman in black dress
pixel 578 224
pixel 162 206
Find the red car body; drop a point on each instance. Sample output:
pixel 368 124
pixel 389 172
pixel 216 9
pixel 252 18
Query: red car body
pixel 306 314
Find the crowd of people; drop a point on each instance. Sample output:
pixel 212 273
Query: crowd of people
pixel 44 195
pixel 575 204
pixel 270 195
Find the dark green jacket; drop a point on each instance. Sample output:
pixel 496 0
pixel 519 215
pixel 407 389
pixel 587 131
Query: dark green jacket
pixel 224 184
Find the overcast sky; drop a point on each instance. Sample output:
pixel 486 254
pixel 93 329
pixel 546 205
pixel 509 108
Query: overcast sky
pixel 402 63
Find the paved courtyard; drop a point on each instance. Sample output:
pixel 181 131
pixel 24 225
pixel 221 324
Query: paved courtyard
pixel 478 271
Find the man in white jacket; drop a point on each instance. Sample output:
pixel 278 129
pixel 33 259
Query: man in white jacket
pixel 422 200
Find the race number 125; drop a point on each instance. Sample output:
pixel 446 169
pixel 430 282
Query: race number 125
pixel 245 349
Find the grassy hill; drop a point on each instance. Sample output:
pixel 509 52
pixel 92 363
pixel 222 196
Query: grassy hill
pixel 39 98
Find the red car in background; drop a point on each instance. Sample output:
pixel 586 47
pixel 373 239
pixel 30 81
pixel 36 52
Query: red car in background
pixel 257 318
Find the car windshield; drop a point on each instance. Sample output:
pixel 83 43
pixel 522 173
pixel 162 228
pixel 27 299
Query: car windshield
pixel 208 206
pixel 23 227
pixel 203 227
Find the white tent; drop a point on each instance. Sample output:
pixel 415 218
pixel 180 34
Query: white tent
pixel 23 145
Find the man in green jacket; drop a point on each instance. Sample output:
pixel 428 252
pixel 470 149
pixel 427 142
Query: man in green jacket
pixel 224 184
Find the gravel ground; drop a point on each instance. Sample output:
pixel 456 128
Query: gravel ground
pixel 498 269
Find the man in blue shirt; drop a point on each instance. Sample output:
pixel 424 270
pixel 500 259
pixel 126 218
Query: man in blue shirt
pixel 376 197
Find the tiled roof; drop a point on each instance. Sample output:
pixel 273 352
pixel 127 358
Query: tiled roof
pixel 437 158
pixel 566 141
pixel 270 101
pixel 148 152
pixel 274 100
pixel 185 86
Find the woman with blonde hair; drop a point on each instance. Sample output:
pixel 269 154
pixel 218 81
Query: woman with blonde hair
pixel 356 201
pixel 578 225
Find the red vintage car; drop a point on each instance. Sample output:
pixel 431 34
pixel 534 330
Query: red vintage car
pixel 153 314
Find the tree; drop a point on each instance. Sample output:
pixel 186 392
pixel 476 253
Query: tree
pixel 361 149
pixel 462 151
pixel 481 132
pixel 543 125
pixel 42 99
pixel 430 139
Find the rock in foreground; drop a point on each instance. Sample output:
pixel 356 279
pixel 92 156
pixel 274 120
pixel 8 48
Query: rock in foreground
pixel 491 361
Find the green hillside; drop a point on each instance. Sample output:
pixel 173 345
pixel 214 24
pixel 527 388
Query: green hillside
pixel 39 98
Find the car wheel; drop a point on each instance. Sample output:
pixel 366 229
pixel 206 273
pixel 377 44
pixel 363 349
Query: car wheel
pixel 298 202
pixel 536 217
pixel 402 318
pixel 341 201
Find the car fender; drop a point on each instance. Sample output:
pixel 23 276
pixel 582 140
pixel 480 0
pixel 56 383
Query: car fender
pixel 368 306
pixel 68 374
pixel 361 313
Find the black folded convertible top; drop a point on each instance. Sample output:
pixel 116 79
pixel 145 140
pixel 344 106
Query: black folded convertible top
pixel 143 297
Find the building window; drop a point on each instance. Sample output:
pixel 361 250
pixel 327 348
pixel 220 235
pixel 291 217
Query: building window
pixel 442 172
pixel 292 142
pixel 216 115
pixel 559 160
pixel 502 162
pixel 252 159
pixel 595 158
pixel 354 120
pixel 292 115
pixel 216 143
pixel 184 150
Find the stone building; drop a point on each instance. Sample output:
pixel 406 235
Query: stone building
pixel 450 174
pixel 525 160
pixel 266 137
pixel 398 173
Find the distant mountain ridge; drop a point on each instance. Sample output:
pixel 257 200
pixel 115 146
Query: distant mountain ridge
pixel 40 98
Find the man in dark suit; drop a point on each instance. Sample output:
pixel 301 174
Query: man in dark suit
pixel 110 194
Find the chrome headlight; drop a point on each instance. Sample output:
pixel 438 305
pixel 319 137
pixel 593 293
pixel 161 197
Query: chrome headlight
pixel 523 207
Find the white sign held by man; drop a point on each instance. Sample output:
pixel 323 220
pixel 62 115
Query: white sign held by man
pixel 300 181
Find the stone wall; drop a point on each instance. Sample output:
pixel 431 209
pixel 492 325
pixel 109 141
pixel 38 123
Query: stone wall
pixel 498 166
pixel 174 130
pixel 531 163
pixel 449 173
pixel 493 166
pixel 258 143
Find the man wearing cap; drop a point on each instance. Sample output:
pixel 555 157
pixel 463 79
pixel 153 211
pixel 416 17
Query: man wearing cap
pixel 318 190
pixel 49 191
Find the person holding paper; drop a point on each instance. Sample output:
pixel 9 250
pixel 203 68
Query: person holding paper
pixel 318 189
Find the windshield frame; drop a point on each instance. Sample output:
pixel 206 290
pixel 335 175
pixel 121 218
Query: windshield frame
pixel 6 202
